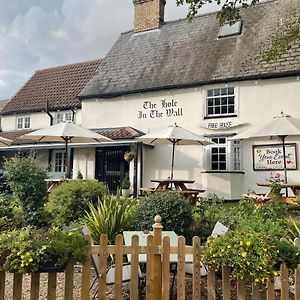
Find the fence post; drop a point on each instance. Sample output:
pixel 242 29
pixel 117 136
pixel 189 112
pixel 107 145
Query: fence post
pixel 157 232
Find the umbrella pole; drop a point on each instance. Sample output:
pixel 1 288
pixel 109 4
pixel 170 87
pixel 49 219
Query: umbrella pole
pixel 282 137
pixel 173 154
pixel 66 160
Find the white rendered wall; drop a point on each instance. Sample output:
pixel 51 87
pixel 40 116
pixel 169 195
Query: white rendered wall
pixel 258 101
pixel 38 120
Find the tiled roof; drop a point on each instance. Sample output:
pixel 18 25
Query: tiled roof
pixel 58 86
pixel 118 133
pixel 3 103
pixel 182 54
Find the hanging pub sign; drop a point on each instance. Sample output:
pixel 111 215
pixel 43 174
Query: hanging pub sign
pixel 270 157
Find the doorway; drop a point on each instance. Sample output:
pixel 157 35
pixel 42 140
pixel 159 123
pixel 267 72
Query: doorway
pixel 111 166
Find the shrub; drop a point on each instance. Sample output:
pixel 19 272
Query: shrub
pixel 110 216
pixel 69 201
pixel 176 213
pixel 6 212
pixel 26 179
pixel 251 255
pixel 28 249
pixel 125 182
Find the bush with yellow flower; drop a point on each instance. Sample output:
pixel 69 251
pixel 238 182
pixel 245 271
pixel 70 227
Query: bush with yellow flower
pixel 252 256
pixel 30 250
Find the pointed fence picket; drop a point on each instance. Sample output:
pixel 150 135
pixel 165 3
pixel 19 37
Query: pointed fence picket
pixel 156 284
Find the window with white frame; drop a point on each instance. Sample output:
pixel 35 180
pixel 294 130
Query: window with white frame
pixel 236 147
pixel 59 161
pixel 23 122
pixel 224 155
pixel 220 102
pixel 64 116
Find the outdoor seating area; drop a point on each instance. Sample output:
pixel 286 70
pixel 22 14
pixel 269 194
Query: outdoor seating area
pixel 175 185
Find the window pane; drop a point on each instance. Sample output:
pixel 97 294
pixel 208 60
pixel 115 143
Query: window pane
pixel 210 102
pixel 222 166
pixel 217 101
pixel 230 100
pixel 222 141
pixel 222 157
pixel 217 110
pixel 214 150
pixel 224 101
pixel 231 91
pixel 224 91
pixel 216 92
pixel 214 166
pixel 210 111
pixel 222 150
pixel 231 109
pixel 210 93
pixel 224 109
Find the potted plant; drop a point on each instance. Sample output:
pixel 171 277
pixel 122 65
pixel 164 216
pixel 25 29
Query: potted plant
pixel 125 185
pixel 129 156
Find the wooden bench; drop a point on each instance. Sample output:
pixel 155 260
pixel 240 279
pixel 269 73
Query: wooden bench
pixel 191 194
pixel 256 196
pixel 146 191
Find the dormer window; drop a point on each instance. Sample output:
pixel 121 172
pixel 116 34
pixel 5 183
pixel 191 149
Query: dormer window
pixel 230 30
pixel 23 122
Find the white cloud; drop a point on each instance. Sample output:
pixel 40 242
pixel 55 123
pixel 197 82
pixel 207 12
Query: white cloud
pixel 44 36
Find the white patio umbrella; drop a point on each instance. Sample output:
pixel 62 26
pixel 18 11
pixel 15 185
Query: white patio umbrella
pixel 67 133
pixel 280 126
pixel 174 135
pixel 4 142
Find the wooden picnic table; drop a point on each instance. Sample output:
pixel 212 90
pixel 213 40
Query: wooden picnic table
pixel 52 183
pixel 176 185
pixel 166 184
pixel 295 187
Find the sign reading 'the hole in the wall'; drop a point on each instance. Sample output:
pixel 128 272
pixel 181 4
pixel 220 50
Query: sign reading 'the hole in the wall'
pixel 160 109
pixel 270 157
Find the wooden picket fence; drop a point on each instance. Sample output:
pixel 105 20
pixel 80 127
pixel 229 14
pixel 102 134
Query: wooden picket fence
pixel 158 252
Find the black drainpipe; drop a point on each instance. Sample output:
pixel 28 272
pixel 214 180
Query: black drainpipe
pixel 48 113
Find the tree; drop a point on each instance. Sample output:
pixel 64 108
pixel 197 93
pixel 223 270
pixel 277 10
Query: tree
pixel 282 39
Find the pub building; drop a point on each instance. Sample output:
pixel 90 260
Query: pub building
pixel 209 79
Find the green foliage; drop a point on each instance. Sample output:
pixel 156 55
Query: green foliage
pixel 26 178
pixel 245 215
pixel 176 213
pixel 110 216
pixel 250 255
pixel 125 182
pixel 287 253
pixel 69 201
pixel 229 13
pixel 293 230
pixel 267 218
pixel 28 249
pixel 79 175
pixel 6 212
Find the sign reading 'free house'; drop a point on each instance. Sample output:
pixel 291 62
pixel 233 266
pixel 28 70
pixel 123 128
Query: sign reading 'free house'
pixel 270 157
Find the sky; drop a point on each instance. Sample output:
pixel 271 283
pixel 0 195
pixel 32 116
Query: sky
pixel 37 34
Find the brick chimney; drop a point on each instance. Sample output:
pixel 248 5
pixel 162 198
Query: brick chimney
pixel 148 14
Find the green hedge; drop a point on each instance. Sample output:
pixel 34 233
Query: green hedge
pixel 176 213
pixel 69 201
